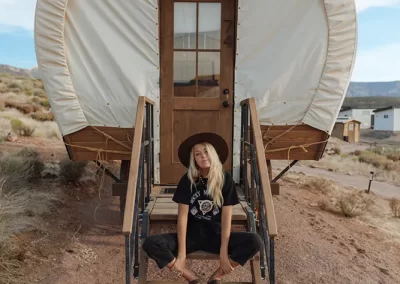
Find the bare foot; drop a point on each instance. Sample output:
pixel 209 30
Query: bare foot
pixel 186 273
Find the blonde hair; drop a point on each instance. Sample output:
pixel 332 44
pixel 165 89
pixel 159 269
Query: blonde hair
pixel 216 174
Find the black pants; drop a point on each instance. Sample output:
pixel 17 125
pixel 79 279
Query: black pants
pixel 163 248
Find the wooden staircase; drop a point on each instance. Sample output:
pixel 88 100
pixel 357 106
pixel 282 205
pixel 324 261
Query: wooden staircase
pixel 147 204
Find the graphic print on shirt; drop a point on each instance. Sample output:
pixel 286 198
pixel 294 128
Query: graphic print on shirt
pixel 201 207
pixel 205 206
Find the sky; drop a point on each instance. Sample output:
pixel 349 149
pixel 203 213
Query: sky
pixel 378 50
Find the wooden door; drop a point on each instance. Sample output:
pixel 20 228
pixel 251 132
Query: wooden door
pixel 197 41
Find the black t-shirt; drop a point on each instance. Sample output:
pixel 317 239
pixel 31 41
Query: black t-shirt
pixel 204 217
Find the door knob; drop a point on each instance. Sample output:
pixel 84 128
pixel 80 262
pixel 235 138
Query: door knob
pixel 226 92
pixel 225 103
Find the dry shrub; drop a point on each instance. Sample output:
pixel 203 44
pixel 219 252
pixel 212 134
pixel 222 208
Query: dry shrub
pixel 15 84
pixel 2 105
pixel 394 204
pixel 43 116
pixel 26 164
pixel 395 157
pixel 23 107
pixel 39 93
pixel 373 158
pixel 319 184
pixel 71 171
pixel 354 203
pixel 19 127
pixel 45 103
pixel 337 200
pixel 336 150
pixel 3 87
pixel 28 153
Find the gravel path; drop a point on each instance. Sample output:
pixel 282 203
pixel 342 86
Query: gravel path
pixel 357 181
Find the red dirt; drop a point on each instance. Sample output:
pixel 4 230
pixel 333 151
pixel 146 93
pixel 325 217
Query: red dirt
pixel 313 246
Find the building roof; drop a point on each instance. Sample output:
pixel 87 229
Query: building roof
pixel 386 108
pixel 346 120
pixel 344 108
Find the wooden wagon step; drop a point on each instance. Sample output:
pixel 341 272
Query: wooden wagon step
pixel 165 209
pixel 181 282
pixel 203 255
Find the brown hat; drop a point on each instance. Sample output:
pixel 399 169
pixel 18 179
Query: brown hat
pixel 217 141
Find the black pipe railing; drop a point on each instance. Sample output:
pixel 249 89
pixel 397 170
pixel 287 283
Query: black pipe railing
pixel 255 195
pixel 142 197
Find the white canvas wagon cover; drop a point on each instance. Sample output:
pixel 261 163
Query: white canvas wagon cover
pixel 96 57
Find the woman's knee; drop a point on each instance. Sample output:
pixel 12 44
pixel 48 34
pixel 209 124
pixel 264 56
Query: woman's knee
pixel 255 241
pixel 159 242
pixel 148 244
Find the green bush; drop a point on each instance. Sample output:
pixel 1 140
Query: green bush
pixel 19 127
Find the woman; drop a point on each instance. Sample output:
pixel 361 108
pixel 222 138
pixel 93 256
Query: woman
pixel 205 196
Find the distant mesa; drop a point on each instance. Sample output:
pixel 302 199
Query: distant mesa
pixel 33 73
pixel 355 90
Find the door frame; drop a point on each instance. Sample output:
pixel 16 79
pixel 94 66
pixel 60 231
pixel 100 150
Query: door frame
pixel 166 86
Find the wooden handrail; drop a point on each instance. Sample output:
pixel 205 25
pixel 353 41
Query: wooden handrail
pixel 134 166
pixel 263 170
pixel 147 100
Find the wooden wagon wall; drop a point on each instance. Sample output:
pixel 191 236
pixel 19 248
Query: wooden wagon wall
pixel 278 140
pixel 88 141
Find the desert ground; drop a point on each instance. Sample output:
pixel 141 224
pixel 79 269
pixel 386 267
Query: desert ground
pixel 60 224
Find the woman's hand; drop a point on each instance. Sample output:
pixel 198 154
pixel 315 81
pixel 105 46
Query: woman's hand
pixel 225 263
pixel 179 265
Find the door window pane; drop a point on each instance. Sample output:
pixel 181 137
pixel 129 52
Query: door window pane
pixel 185 73
pixel 185 25
pixel 208 74
pixel 209 36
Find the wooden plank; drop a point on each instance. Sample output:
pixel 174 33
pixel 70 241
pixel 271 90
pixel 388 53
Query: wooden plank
pixel 300 127
pixel 293 135
pixel 90 134
pixel 172 205
pixel 172 214
pixel 90 156
pixel 283 155
pixel 256 271
pixel 182 282
pixel 210 256
pixel 198 104
pixel 134 168
pixel 284 147
pixel 262 167
pixel 164 200
pixel 102 145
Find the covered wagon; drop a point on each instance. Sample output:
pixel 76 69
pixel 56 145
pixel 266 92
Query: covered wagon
pixel 130 80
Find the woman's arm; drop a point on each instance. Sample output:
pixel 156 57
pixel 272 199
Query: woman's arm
pixel 226 221
pixel 183 211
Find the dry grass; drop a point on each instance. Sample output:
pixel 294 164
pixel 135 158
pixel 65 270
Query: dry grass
pixel 43 116
pixel 25 108
pixel 394 204
pixel 337 200
pixel 383 164
pixel 42 129
pixel 21 208
pixel 26 163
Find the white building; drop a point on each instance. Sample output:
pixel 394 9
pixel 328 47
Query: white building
pixel 362 115
pixel 387 119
